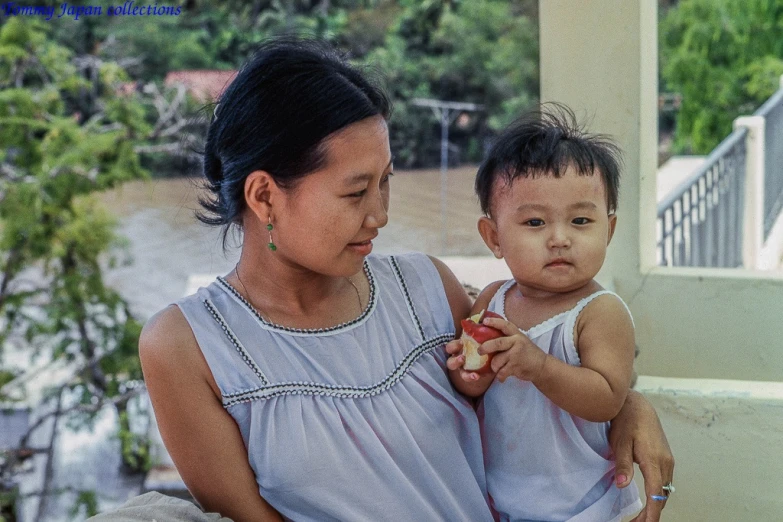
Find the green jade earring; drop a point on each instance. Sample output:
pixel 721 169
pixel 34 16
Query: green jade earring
pixel 271 244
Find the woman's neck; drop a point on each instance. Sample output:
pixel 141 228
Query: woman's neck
pixel 291 295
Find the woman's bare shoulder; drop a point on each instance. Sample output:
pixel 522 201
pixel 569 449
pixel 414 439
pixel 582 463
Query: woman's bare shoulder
pixel 168 349
pixel 167 332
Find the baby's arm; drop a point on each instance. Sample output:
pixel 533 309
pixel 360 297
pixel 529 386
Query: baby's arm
pixel 596 390
pixel 468 383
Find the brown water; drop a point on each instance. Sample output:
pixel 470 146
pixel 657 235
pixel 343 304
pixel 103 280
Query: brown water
pixel 167 244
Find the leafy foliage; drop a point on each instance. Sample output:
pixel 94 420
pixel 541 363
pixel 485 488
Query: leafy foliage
pixel 725 58
pixel 483 52
pixel 86 501
pixel 480 52
pixel 66 134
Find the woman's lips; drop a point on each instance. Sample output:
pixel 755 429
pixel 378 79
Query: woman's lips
pixel 363 248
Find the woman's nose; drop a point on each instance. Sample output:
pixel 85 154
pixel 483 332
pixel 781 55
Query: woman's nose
pixel 378 214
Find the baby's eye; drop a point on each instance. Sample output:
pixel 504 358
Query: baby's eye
pixel 535 222
pixel 581 221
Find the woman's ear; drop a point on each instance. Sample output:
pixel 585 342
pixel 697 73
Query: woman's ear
pixel 261 191
pixel 489 233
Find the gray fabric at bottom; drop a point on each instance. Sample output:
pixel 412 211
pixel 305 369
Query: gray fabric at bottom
pixel 154 506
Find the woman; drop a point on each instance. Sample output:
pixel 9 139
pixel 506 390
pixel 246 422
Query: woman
pixel 310 383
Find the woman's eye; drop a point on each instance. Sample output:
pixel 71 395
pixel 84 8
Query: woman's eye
pixel 357 194
pixel 386 178
pixel 535 222
pixel 581 221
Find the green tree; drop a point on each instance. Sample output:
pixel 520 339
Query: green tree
pixel 66 134
pixel 481 52
pixel 725 58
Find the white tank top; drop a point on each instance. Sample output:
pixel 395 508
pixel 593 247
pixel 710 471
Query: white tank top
pixel 543 463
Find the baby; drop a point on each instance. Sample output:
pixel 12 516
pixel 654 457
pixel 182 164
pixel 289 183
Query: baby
pixel 562 369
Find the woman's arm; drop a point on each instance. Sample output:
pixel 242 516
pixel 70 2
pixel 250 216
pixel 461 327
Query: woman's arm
pixel 459 302
pixel 636 435
pixel 460 309
pixel 201 437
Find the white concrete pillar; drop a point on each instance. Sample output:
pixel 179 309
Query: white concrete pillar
pixel 601 59
pixel 753 216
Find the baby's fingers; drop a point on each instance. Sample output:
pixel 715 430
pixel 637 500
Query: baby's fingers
pixel 454 347
pixel 501 344
pixel 504 326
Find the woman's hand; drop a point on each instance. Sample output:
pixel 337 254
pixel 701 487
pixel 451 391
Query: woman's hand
pixel 456 360
pixel 471 384
pixel 636 435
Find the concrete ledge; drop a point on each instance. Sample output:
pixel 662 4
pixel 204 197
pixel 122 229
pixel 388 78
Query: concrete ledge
pixel 478 271
pixel 725 436
pixel 722 388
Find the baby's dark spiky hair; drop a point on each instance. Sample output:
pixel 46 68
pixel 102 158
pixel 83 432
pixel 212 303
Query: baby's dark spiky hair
pixel 547 142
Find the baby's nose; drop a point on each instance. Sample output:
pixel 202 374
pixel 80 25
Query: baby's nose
pixel 559 239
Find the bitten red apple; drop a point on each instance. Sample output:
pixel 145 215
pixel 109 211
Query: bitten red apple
pixel 473 335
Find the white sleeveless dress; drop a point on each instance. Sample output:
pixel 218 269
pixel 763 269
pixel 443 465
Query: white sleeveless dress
pixel 542 463
pixel 353 423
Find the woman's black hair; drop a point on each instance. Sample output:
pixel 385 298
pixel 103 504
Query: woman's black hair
pixel 291 95
pixel 547 142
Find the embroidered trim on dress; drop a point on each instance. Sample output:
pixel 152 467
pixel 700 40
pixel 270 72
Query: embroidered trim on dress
pixel 332 390
pixel 332 329
pixel 408 300
pixel 233 338
pixel 555 320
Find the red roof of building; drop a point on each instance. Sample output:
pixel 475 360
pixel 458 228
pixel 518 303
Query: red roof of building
pixel 204 85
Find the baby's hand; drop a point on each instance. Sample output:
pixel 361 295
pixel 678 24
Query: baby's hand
pixel 515 354
pixel 456 360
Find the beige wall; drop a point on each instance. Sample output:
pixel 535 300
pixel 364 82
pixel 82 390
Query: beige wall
pixel 716 324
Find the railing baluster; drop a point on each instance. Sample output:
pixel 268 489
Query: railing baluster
pixel 731 202
pixel 693 193
pixel 711 203
pixel 723 224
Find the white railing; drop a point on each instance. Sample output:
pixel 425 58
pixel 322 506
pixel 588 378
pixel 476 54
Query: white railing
pixel 728 213
pixel 700 222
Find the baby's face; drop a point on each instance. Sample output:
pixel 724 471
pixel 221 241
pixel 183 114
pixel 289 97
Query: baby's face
pixel 553 232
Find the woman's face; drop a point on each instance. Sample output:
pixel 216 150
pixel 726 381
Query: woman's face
pixel 328 221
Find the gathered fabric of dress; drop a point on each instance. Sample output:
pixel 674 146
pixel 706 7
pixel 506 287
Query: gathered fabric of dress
pixel 356 422
pixel 542 463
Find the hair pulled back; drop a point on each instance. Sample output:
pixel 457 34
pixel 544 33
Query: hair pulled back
pixel 291 95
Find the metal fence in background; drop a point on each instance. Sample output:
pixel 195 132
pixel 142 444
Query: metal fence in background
pixel 772 112
pixel 700 222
